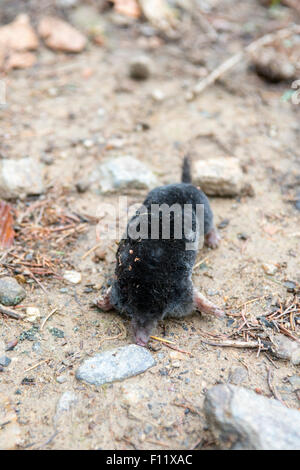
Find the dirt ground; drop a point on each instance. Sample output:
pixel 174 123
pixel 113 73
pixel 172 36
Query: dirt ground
pixel 66 99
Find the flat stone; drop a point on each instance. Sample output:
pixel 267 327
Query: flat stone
pixel 123 173
pixel 219 176
pixel 118 364
pixel 59 35
pixel 11 293
pixel 20 178
pixel 285 348
pixel 243 420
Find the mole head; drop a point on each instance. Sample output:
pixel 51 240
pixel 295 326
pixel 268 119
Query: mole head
pixel 142 329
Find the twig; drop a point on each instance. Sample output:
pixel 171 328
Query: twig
pixel 37 365
pixel 156 338
pixel 287 333
pixel 253 300
pixel 177 349
pixel 91 250
pixel 10 313
pixel 233 344
pixel 200 262
pixel 47 318
pixel 236 58
pixel 273 388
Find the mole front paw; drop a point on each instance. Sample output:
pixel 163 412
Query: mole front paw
pixel 212 239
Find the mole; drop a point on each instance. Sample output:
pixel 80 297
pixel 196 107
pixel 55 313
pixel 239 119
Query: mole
pixel 153 273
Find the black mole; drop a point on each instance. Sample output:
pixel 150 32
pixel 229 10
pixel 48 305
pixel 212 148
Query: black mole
pixel 153 275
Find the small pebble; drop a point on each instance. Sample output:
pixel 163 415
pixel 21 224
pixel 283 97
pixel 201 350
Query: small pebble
pixel 270 269
pixel 4 361
pixel 72 276
pixel 223 224
pixel 140 67
pixel 32 314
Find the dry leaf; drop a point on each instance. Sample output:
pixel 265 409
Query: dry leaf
pixel 7 233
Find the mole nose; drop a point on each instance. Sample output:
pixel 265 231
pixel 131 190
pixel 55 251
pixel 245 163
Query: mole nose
pixel 141 338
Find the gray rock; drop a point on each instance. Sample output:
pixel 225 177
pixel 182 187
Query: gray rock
pixel 295 382
pixel 37 348
pixel 117 364
pixel 285 348
pixel 123 173
pixel 242 419
pixel 61 379
pixel 140 67
pixel 19 178
pixel 11 293
pixel 4 361
pixel 219 176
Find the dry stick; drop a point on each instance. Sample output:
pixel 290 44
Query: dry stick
pixel 91 250
pixel 233 344
pixel 162 340
pixel 37 365
pixel 177 349
pixel 10 313
pixel 47 318
pixel 273 388
pixel 287 333
pixel 236 58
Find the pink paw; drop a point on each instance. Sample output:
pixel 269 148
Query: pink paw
pixel 212 239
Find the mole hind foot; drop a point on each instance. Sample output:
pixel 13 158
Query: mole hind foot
pixel 212 238
pixel 104 302
pixel 204 305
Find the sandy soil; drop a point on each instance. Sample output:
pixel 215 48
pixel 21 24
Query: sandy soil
pixel 54 106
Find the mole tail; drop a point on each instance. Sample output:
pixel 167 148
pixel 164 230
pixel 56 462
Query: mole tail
pixel 186 170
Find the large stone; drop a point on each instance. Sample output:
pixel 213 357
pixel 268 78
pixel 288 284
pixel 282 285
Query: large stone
pixel 123 173
pixel 242 419
pixel 219 176
pixel 59 35
pixel 11 293
pixel 20 178
pixel 118 364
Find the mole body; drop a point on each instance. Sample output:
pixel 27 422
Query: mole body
pixel 153 274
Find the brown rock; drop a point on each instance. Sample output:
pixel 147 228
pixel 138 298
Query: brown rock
pixel 18 35
pixel 59 35
pixel 20 60
pixel 221 176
